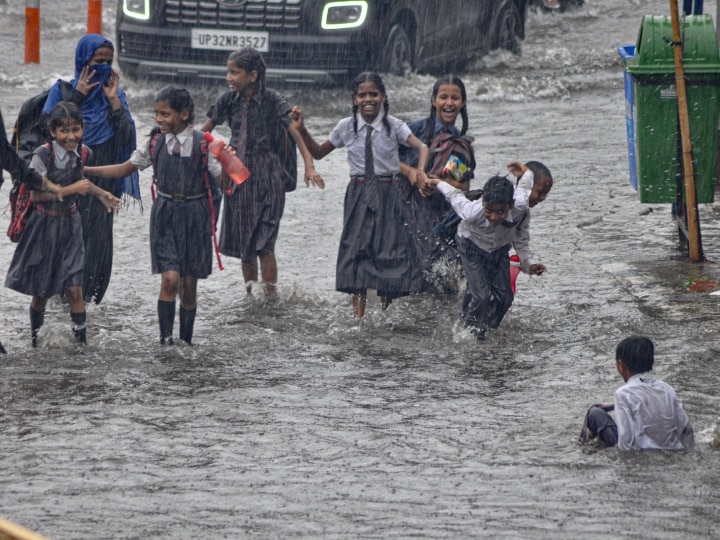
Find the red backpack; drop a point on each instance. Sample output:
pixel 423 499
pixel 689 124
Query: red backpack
pixel 21 206
pixel 446 145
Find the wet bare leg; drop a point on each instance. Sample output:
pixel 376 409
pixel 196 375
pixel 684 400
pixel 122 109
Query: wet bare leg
pixel 250 274
pixel 385 302
pixel 268 269
pixel 359 300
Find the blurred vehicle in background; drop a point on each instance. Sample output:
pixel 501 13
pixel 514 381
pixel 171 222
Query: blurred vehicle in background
pixel 316 41
pixel 556 5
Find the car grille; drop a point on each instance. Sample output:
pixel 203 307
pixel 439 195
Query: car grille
pixel 251 15
pixel 171 49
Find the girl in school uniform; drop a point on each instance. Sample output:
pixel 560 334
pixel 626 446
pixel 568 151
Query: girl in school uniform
pixel 50 254
pixel 441 263
pixel 375 247
pixel 253 210
pixel 181 227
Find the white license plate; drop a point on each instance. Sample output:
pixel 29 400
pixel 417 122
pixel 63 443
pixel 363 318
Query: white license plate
pixel 228 40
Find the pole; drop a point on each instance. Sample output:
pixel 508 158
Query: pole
pixel 32 31
pixel 10 530
pixel 94 22
pixel 693 224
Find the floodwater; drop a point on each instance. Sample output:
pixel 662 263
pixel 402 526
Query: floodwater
pixel 294 420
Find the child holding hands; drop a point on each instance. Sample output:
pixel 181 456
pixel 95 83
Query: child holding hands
pixel 181 221
pixel 375 246
pixel 488 228
pixel 50 255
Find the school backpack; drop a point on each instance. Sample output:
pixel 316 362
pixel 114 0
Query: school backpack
pixel 21 206
pixel 29 133
pixel 287 152
pixel 446 145
pixel 30 130
pixel 200 154
pixel 282 141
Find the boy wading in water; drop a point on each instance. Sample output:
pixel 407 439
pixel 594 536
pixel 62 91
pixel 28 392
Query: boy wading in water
pixel 488 229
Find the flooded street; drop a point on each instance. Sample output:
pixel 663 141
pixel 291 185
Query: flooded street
pixel 294 420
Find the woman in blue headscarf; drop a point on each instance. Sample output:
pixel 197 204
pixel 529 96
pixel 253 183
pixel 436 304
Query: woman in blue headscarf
pixel 110 133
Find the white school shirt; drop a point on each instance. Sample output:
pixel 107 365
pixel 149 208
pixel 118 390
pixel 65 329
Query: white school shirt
pixel 62 159
pixel 649 415
pixel 385 147
pixel 521 196
pixel 140 158
pixel 475 226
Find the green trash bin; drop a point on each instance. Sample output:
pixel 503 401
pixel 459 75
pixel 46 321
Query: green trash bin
pixel 657 131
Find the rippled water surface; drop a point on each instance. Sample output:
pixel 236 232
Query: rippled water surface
pixel 294 420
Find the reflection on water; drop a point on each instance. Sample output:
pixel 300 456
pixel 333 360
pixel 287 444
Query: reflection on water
pixel 295 420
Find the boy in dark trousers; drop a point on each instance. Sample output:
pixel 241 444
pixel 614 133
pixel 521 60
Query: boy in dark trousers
pixel 648 413
pixel 488 229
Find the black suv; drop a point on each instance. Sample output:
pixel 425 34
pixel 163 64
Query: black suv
pixel 317 41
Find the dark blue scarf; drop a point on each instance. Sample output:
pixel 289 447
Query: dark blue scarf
pixel 96 109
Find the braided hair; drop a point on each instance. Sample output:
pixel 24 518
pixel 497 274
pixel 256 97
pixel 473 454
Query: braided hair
pixel 370 76
pixel 498 190
pixel 455 81
pixel 250 60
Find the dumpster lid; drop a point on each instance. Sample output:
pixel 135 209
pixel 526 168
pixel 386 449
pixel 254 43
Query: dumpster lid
pixel 654 53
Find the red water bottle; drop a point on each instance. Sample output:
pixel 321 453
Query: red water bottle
pixel 231 164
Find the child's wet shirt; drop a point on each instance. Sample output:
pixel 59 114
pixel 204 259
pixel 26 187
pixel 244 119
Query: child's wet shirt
pixel 385 147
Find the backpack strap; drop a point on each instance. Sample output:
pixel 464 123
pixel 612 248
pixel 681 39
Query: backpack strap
pixel 152 147
pixel 201 156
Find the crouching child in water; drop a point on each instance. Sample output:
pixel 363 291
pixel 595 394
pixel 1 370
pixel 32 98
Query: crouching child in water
pixel 182 224
pixel 488 228
pixel 50 254
pixel 648 413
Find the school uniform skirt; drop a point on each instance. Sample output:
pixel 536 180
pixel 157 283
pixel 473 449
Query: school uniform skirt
pixel 376 249
pixel 251 219
pixel 180 236
pixel 50 255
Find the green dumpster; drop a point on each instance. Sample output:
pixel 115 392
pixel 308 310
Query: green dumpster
pixel 657 132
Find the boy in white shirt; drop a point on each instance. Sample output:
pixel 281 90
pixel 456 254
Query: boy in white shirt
pixel 534 182
pixel 487 229
pixel 648 413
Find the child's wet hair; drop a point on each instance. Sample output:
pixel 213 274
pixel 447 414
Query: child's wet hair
pixel 540 171
pixel 637 353
pixel 370 76
pixel 179 99
pixel 498 190
pixel 249 59
pixel 64 113
pixel 456 81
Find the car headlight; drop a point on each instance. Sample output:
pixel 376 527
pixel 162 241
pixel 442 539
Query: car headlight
pixel 338 15
pixel 137 9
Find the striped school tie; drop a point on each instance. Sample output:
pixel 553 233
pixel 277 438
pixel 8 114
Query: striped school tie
pixel 243 132
pixel 371 188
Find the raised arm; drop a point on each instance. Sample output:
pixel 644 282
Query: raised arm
pixel 317 151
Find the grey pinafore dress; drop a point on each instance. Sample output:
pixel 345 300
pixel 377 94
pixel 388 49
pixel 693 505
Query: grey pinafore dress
pixel 50 255
pixel 180 223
